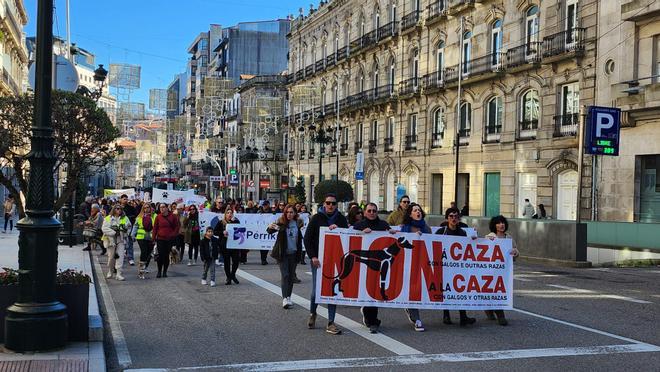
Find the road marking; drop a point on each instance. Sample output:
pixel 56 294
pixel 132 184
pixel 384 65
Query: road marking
pixel 517 277
pixel 410 360
pixel 599 295
pixel 379 339
pixel 123 356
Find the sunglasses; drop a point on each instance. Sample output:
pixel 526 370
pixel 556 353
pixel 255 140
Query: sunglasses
pixel 405 201
pixel 331 203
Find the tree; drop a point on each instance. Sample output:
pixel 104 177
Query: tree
pixel 342 189
pixel 84 137
pixel 299 191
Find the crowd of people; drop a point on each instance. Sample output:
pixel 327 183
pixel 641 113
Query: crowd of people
pixel 163 232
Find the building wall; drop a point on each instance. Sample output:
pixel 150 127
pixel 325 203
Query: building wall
pixel 629 51
pixel 12 46
pixel 541 152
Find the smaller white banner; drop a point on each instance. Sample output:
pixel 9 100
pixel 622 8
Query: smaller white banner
pixel 172 196
pixel 244 236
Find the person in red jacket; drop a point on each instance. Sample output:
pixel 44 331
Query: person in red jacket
pixel 164 233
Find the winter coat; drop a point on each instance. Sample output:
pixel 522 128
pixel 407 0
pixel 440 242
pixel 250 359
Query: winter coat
pixel 282 240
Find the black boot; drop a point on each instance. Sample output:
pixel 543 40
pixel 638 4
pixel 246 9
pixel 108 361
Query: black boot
pixel 490 314
pixel 501 319
pixel 446 318
pixel 465 320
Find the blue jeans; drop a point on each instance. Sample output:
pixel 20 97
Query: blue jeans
pixel 129 248
pixel 332 309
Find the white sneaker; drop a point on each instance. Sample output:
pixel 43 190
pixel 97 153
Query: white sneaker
pixel 131 262
pixel 285 303
pixel 212 283
pixel 204 282
pixel 119 277
pixel 189 263
pixel 289 302
pixel 109 276
pixel 418 326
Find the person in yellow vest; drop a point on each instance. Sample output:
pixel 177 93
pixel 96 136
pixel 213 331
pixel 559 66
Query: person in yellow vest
pixel 144 224
pixel 116 227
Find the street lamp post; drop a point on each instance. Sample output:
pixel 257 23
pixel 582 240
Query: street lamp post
pixel 37 321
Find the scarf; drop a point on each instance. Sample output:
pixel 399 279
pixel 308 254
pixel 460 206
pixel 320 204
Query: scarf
pixel 146 223
pixel 332 219
pixel 421 225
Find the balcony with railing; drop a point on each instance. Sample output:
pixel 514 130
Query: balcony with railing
pixel 492 133
pixel 464 136
pixel 434 81
pixel 300 74
pixel 358 146
pixel 437 11
pixel 372 146
pixel 292 154
pixel 389 30
pixel 563 44
pixel 381 94
pixel 342 53
pixel 312 152
pixel 409 20
pixel 436 140
pixel 527 128
pixel 566 125
pixel 409 87
pixel 456 6
pixel 9 80
pixel 411 142
pixel 343 149
pixel 319 65
pixel 333 150
pixel 388 144
pixel 309 71
pixel 329 109
pixel 301 155
pixel 330 61
pixel 524 55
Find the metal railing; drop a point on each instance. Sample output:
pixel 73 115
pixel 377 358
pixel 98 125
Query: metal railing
pixel 389 30
pixel 9 80
pixel 319 65
pixel 383 92
pixel 388 144
pixel 410 86
pixel 411 142
pixel 528 53
pixel 312 152
pixel 566 125
pixel 434 80
pixel 492 62
pixel 564 42
pixel 291 154
pixel 372 146
pixel 330 61
pixel 342 53
pixel 409 20
pixel 302 154
pixel 437 9
pixel 436 140
pixel 528 124
pixel 309 70
pixel 300 74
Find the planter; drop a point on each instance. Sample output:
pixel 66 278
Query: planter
pixel 74 296
pixel 8 295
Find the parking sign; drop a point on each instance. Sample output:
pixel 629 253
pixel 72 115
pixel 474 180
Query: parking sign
pixel 603 131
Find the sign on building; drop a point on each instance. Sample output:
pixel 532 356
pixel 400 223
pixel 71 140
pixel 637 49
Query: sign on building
pixel 603 131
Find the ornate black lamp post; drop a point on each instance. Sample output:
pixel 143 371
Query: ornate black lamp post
pixel 100 74
pixel 37 321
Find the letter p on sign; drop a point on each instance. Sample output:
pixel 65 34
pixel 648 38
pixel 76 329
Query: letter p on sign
pixel 603 121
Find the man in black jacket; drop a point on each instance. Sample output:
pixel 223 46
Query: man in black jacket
pixel 370 223
pixel 328 216
pixel 453 227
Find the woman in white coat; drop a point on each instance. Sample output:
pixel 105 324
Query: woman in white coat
pixel 116 228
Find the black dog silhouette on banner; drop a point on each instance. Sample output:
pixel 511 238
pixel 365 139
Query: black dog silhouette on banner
pixel 380 261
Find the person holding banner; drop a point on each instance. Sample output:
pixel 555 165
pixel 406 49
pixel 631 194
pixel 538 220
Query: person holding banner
pixel 453 227
pixel 413 222
pixel 192 233
pixel 229 256
pixel 287 249
pixel 330 217
pixel 498 226
pixel 396 217
pixel 370 223
pixel 144 224
pixel 164 233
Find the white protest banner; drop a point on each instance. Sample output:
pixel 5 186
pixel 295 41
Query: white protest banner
pixel 171 196
pixel 207 218
pixel 406 270
pixel 117 193
pixel 197 200
pixel 244 236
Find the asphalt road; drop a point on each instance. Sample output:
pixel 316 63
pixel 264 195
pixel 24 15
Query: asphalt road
pixel 566 319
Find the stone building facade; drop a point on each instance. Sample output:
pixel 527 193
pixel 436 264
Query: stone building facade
pixel 391 68
pixel 628 186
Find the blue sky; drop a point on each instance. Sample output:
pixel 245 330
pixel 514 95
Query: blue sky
pixel 153 33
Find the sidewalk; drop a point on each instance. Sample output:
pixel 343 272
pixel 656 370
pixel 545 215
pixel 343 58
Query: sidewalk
pixel 78 356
